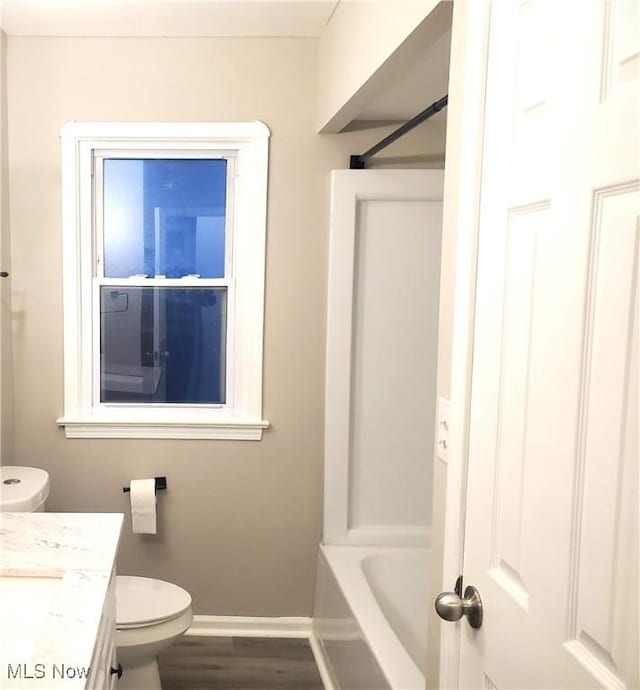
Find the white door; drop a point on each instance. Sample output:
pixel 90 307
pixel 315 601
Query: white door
pixel 551 533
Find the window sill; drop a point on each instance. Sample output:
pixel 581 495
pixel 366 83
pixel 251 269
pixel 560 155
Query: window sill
pixel 229 430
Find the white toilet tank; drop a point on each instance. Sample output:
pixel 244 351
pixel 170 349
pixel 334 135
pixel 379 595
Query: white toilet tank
pixel 23 489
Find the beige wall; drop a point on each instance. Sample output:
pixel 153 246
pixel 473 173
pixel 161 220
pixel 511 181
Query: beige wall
pixel 240 524
pixel 6 379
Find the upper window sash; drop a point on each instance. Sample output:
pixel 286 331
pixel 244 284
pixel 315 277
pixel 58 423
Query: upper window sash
pixel 98 158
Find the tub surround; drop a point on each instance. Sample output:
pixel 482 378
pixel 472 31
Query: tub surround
pixel 371 604
pixel 80 549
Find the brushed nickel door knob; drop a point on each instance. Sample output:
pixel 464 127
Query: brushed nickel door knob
pixel 451 607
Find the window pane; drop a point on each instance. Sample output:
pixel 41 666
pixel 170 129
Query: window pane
pixel 164 217
pixel 163 345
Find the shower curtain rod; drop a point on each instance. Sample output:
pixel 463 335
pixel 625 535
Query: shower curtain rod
pixel 359 161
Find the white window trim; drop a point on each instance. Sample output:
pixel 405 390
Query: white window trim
pixel 248 142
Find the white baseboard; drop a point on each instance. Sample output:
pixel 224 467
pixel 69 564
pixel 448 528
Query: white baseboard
pixel 248 626
pixel 322 663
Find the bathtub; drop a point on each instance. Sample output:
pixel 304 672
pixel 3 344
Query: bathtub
pixel 370 618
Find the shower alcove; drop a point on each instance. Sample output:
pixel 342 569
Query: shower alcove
pixel 382 331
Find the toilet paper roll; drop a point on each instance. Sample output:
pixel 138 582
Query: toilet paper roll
pixel 143 506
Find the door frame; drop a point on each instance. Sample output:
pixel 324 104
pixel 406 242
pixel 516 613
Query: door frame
pixel 463 175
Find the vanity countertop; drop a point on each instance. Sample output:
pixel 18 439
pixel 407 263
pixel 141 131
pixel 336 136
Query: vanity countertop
pixel 79 549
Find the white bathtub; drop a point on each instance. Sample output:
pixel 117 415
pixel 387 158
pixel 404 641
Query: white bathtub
pixel 370 616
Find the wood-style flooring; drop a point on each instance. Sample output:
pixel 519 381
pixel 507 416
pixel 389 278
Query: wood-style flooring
pixel 239 663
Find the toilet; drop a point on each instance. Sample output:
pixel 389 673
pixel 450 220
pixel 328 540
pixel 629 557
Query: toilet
pixel 150 613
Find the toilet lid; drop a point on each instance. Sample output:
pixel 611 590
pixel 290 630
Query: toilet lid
pixel 143 600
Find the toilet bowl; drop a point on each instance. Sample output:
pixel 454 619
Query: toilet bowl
pixel 150 614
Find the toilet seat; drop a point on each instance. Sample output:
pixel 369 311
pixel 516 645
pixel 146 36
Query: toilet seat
pixel 143 602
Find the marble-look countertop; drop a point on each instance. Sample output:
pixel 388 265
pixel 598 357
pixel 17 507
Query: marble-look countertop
pixel 79 548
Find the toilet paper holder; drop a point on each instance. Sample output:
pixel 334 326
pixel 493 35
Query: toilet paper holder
pixel 161 485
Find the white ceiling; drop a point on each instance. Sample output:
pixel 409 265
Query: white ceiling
pixel 165 17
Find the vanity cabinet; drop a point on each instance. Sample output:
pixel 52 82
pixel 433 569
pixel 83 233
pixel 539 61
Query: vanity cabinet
pixel 62 565
pixel 104 665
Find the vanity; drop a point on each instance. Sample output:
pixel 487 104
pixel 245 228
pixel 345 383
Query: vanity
pixel 57 600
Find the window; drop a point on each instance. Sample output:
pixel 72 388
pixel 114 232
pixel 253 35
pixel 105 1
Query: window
pixel 164 259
